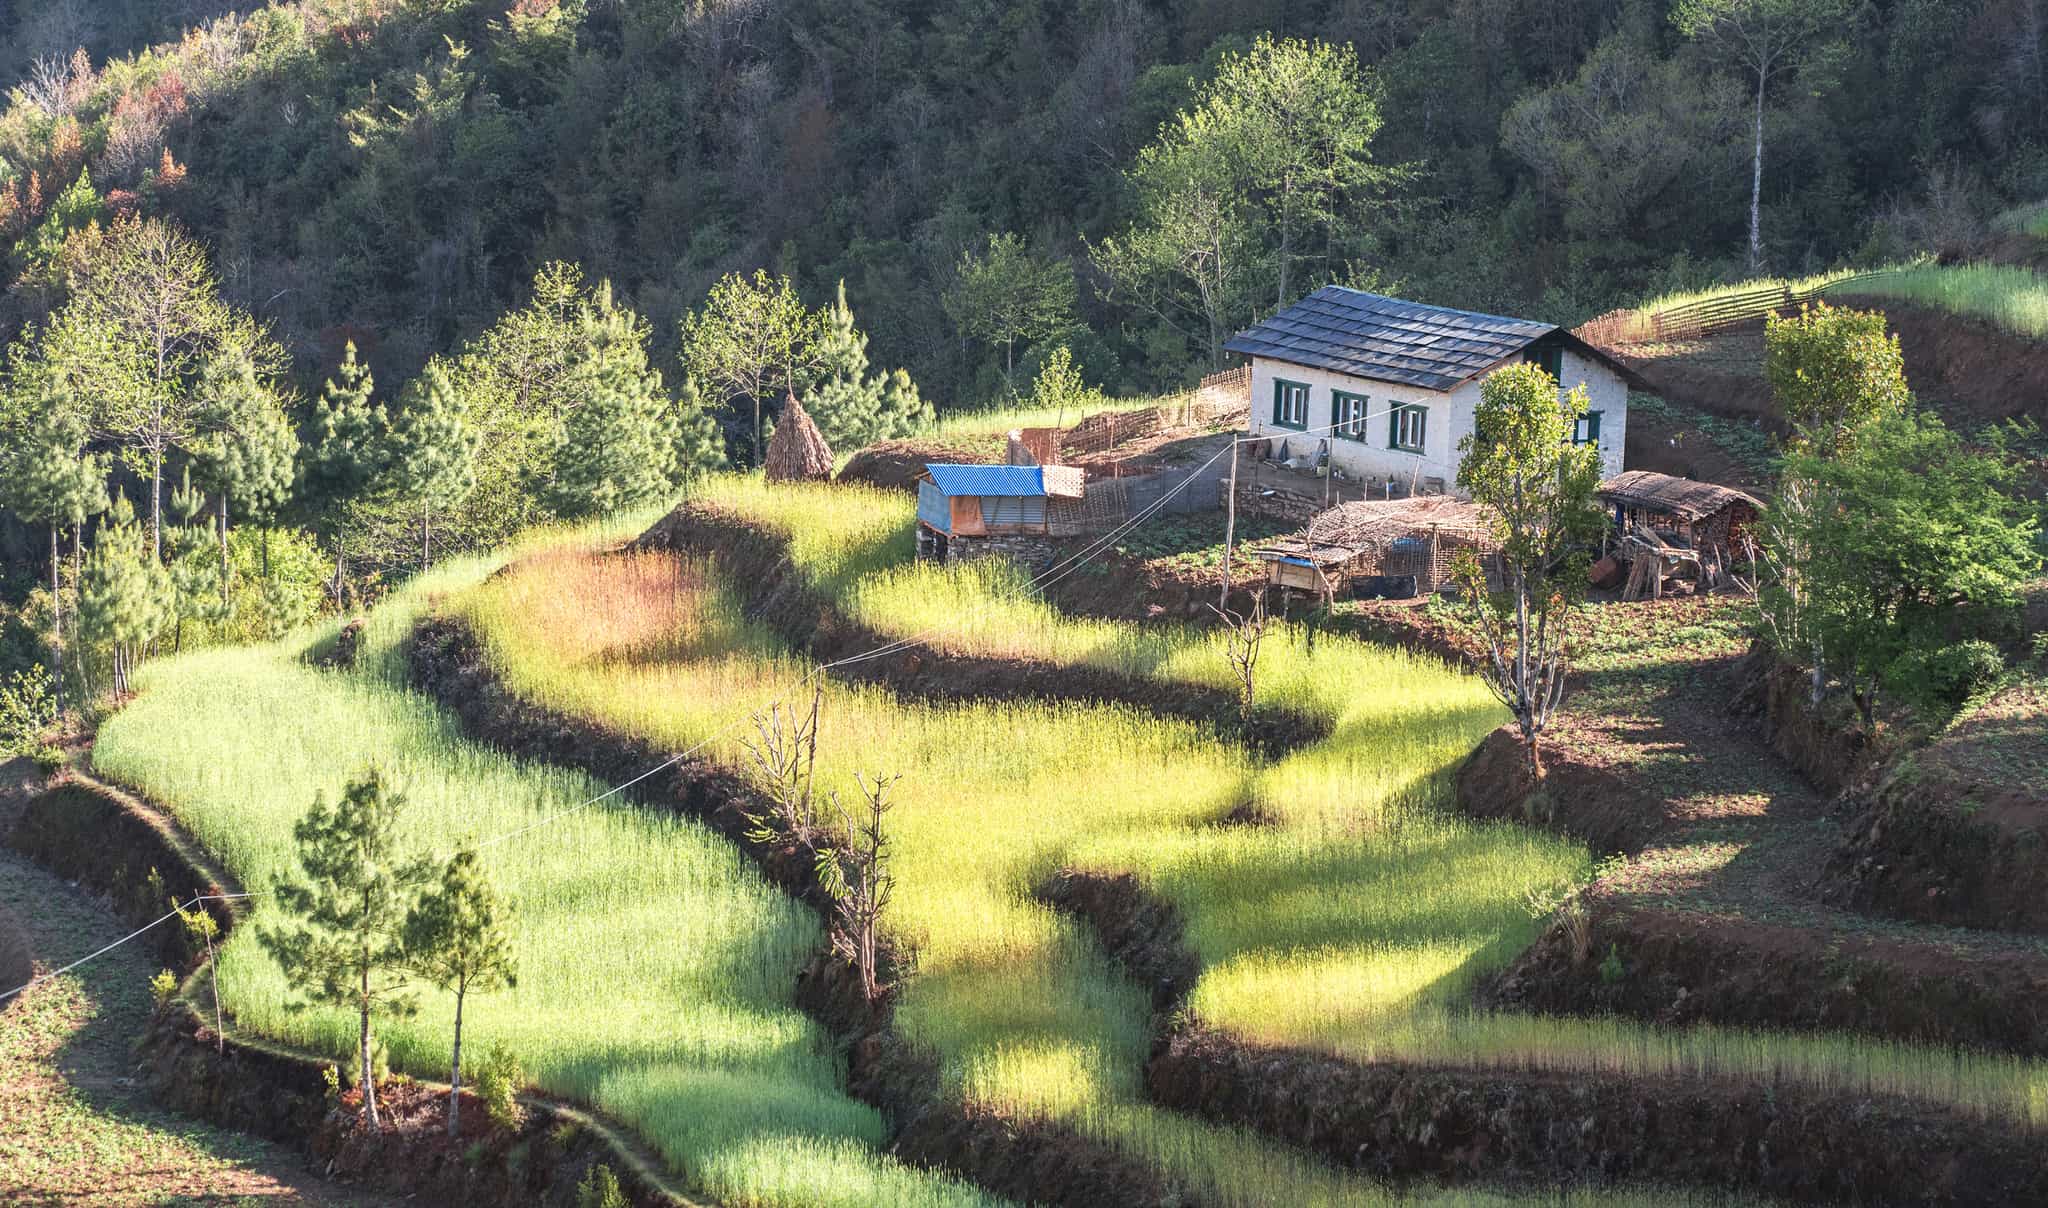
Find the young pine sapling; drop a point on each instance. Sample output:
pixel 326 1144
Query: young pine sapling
pixel 345 944
pixel 457 937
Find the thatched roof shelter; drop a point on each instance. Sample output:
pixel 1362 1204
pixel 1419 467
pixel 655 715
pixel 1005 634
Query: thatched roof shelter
pixel 1414 538
pixel 1687 499
pixel 797 452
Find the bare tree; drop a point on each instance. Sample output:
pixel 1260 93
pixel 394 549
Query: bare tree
pixel 1243 634
pixel 784 753
pixel 858 881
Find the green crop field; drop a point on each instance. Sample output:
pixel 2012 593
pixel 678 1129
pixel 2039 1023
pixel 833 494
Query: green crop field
pixel 1354 925
pixel 655 966
pixel 2008 296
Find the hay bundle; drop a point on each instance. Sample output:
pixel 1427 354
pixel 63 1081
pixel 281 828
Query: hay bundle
pixel 797 452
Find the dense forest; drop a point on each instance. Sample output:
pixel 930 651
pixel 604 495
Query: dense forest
pixel 297 298
pixel 395 172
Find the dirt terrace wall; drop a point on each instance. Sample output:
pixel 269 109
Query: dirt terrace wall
pixel 1936 851
pixel 108 842
pixel 17 959
pixel 1446 1123
pixel 1590 804
pixel 1028 1160
pixel 757 562
pixel 1682 969
pixel 1405 1120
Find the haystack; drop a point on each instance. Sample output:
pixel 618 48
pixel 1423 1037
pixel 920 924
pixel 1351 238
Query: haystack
pixel 797 452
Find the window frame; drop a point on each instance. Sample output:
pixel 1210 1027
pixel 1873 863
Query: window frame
pixel 1280 388
pixel 1589 423
pixel 1547 357
pixel 1352 428
pixel 1397 417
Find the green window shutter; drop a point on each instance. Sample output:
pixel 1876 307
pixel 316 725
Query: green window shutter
pixel 1279 395
pixel 1592 427
pixel 1394 428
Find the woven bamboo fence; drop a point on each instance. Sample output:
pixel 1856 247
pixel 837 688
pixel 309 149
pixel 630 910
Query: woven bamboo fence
pixel 1693 320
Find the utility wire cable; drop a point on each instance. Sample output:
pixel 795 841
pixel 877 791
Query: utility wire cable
pixel 175 912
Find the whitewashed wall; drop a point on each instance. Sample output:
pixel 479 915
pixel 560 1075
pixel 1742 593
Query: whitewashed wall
pixel 1450 419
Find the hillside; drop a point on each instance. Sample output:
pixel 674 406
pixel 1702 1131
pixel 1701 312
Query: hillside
pixel 394 171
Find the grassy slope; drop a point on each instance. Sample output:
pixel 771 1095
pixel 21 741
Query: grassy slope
pixel 74 1126
pixel 2010 297
pixel 655 965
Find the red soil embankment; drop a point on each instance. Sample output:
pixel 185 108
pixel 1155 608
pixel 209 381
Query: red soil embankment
pixel 128 851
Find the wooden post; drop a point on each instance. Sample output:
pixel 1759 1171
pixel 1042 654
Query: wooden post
pixel 1229 525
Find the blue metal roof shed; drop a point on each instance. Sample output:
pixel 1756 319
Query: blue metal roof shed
pixel 978 501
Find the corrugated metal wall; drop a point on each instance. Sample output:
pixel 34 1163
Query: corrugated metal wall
pixel 933 509
pixel 1013 511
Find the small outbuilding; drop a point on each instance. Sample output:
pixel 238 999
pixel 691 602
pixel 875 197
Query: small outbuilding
pixel 1665 527
pixel 1397 548
pixel 968 511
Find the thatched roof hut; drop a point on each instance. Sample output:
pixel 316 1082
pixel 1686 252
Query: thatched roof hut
pixel 797 452
pixel 1405 546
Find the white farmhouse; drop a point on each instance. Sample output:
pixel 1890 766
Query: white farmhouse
pixel 1391 385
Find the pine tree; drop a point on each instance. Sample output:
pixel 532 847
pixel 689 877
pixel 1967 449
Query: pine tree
pixel 346 946
pixel 618 449
pixel 199 582
pixel 850 408
pixel 51 480
pixel 245 450
pixel 433 455
pixel 456 938
pixel 700 442
pixel 124 596
pixel 345 456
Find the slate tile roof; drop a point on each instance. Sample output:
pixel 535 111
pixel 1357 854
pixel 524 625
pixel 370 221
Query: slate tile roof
pixel 1388 340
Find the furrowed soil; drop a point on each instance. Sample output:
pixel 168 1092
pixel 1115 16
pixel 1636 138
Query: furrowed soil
pixel 77 1124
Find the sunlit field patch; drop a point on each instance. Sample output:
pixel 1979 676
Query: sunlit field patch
pixel 655 965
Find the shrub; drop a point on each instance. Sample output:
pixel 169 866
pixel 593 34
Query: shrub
pixel 600 1189
pixel 1611 968
pixel 1944 678
pixel 498 1079
pixel 49 759
pixel 162 986
pixel 27 711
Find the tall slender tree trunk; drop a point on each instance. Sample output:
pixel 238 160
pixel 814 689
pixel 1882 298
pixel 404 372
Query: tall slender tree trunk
pixel 369 1083
pixel 56 619
pixel 156 504
pixel 426 538
pixel 1756 181
pixel 757 430
pixel 224 550
pixel 455 1066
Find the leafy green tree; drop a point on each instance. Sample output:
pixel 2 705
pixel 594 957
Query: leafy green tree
pixel 456 937
pixel 850 408
pixel 700 444
pixel 145 316
pixel 433 453
pixel 345 944
pixel 1269 166
pixel 1766 38
pixel 1537 491
pixel 345 459
pixel 753 340
pixel 246 448
pixel 1833 371
pixel 1895 535
pixel 52 480
pixel 1059 387
pixel 124 595
pixel 1003 294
